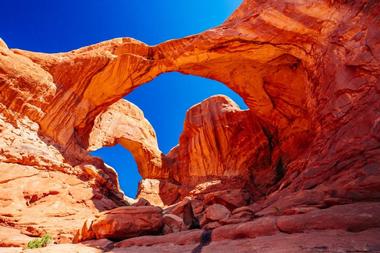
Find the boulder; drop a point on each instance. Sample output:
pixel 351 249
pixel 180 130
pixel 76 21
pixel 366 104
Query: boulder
pixel 122 223
pixel 231 199
pixel 172 224
pixel 214 213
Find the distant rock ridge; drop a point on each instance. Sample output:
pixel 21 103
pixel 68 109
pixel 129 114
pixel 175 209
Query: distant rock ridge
pixel 302 164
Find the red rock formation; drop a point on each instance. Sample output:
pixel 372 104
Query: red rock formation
pixel 124 123
pixel 42 189
pixel 121 223
pixel 219 141
pixel 309 73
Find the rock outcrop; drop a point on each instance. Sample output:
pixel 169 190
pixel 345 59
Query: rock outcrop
pixel 124 123
pixel 298 171
pixel 121 223
pixel 220 145
pixel 220 141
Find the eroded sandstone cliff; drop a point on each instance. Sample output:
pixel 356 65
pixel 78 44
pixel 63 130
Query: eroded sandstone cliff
pixel 302 164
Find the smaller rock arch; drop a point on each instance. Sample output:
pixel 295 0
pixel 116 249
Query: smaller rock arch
pixel 124 123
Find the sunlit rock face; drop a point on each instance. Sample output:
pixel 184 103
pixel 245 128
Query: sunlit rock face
pixel 307 147
pixel 218 141
pixel 124 123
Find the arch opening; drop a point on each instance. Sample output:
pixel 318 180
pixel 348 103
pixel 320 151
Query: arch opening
pixel 122 160
pixel 172 95
pixel 131 141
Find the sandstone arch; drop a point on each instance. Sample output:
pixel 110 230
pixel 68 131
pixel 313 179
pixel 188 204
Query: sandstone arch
pixel 308 70
pixel 288 50
pixel 124 123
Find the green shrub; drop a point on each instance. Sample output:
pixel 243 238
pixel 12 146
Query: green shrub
pixel 40 242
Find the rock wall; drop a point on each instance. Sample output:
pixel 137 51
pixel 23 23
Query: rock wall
pixel 218 141
pixel 308 145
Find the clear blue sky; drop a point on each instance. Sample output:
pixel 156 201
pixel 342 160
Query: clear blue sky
pixel 56 26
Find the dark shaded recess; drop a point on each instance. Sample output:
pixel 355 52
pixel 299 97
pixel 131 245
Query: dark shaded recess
pixel 205 240
pixel 269 136
pixel 295 65
pixel 189 218
pixel 280 170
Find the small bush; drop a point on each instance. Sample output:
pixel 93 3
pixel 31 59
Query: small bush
pixel 40 242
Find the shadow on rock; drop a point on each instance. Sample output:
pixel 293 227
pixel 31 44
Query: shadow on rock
pixel 205 240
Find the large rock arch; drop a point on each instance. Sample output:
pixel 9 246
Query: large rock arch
pixel 308 71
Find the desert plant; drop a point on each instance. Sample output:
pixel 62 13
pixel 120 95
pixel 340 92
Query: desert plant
pixel 40 242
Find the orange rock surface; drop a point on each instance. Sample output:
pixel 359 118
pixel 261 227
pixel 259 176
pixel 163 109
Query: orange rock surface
pixel 219 141
pixel 124 123
pixel 121 223
pixel 299 171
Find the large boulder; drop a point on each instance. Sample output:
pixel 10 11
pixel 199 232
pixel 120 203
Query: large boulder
pixel 217 212
pixel 213 214
pixel 172 224
pixel 122 223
